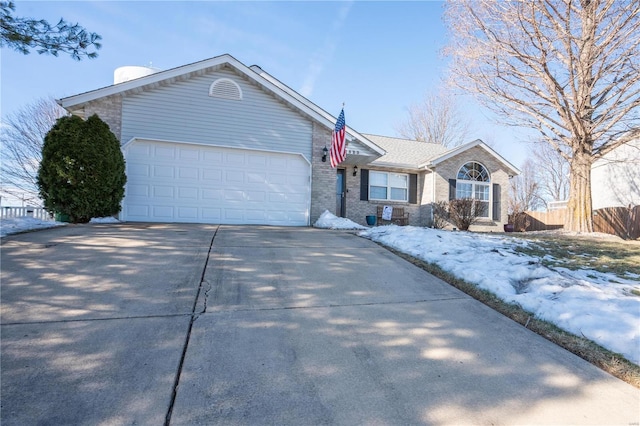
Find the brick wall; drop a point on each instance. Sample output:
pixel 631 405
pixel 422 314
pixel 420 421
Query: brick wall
pixel 110 111
pixel 323 177
pixel 358 210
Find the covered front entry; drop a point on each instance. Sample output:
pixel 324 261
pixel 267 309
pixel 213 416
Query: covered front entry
pixel 341 193
pixel 178 182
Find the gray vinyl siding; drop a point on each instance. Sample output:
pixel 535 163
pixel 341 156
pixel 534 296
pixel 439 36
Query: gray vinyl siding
pixel 184 112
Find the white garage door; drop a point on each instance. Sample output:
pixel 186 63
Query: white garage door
pixel 175 182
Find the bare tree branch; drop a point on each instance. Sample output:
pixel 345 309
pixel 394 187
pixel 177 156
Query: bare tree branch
pixel 436 119
pixel 566 68
pixel 525 190
pixel 22 137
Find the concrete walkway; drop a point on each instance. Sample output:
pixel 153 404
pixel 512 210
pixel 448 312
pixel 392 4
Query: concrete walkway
pixel 196 324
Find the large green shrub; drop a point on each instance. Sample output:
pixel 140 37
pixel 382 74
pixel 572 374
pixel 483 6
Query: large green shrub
pixel 82 171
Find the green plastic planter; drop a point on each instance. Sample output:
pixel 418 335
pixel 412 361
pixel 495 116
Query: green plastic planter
pixel 61 217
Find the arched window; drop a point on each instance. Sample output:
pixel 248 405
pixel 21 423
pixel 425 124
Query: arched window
pixel 226 89
pixel 474 181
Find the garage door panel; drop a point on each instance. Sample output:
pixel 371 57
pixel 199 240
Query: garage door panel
pixel 189 154
pixel 212 175
pixel 277 162
pixel 235 176
pixel 212 194
pixel 188 173
pixel 255 215
pixel 163 191
pixel 172 182
pixel 165 151
pixel 256 196
pixel 212 157
pixel 138 211
pixel 190 213
pixel 233 195
pixel 188 193
pixel 256 160
pixel 234 215
pixel 138 151
pixel 255 177
pixel 137 169
pixel 162 212
pixel 138 190
pixel 234 159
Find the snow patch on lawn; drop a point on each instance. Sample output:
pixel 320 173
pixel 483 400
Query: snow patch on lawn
pixel 599 306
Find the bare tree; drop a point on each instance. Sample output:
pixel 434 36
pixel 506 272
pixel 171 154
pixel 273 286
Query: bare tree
pixel 23 134
pixel 524 190
pixel 436 119
pixel 552 172
pixel 567 68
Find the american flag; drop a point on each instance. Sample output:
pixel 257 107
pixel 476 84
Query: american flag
pixel 338 147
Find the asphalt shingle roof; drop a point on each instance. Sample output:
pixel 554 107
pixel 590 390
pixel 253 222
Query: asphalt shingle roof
pixel 404 152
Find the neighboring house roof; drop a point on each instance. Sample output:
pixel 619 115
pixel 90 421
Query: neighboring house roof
pixel 513 170
pixel 404 153
pixel 254 74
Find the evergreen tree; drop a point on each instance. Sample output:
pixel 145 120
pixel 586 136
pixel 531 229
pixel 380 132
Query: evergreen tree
pixel 23 34
pixel 82 173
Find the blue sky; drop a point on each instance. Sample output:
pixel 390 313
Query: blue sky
pixel 376 57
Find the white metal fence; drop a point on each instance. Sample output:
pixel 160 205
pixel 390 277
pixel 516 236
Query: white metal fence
pixel 35 212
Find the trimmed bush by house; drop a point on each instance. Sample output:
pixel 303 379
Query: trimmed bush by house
pixel 82 172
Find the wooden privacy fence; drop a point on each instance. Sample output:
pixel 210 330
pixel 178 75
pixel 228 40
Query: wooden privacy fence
pixel 621 221
pixel 35 212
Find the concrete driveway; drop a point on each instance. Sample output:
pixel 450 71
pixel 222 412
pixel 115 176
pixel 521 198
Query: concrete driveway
pixel 197 324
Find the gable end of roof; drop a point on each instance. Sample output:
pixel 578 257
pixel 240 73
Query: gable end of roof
pixel 460 149
pixel 254 73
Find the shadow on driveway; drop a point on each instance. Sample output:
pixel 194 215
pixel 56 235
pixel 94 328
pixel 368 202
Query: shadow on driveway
pixel 292 326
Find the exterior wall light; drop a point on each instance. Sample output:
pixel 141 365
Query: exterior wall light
pixel 355 170
pixel 325 151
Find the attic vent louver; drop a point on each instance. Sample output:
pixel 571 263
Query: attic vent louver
pixel 226 89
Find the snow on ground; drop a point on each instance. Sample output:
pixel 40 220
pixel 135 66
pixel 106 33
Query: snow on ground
pixel 20 224
pixel 108 219
pixel 584 302
pixel 331 221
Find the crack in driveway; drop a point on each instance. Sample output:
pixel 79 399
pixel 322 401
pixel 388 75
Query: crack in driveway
pixel 194 317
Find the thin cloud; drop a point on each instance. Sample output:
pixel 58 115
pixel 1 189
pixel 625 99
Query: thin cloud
pixel 325 53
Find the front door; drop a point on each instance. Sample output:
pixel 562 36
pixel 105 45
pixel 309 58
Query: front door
pixel 341 194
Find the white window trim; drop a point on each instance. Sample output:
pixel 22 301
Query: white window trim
pixel 473 184
pixel 389 187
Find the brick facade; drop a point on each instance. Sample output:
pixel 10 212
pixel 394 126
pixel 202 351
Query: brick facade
pixel 420 213
pixel 448 169
pixel 323 177
pixel 357 210
pixel 109 109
